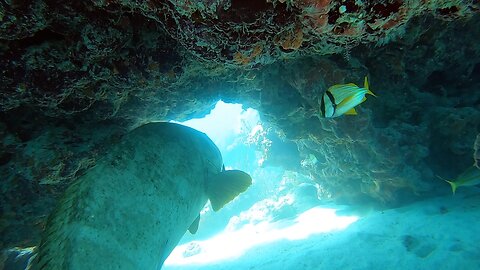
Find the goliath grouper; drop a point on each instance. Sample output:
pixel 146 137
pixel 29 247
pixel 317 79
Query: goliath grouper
pixel 132 208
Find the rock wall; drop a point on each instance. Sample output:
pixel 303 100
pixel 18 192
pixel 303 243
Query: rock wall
pixel 76 76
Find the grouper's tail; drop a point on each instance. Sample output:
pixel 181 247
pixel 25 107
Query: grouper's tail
pixel 367 86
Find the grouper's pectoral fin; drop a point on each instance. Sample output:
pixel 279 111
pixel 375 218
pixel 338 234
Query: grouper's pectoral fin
pixel 194 227
pixel 225 186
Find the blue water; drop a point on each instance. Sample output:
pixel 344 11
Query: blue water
pixel 281 222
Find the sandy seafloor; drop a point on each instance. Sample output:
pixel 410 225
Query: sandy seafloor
pixel 439 233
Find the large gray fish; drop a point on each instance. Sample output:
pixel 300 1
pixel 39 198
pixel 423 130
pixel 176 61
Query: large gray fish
pixel 132 208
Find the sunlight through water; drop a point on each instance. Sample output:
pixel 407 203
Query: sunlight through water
pixel 223 122
pixel 231 244
pixel 254 227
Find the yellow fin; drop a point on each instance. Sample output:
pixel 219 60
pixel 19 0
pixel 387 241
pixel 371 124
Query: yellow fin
pixel 367 86
pixel 351 112
pixel 337 86
pixel 341 87
pixel 225 186
pixel 194 227
pixel 452 184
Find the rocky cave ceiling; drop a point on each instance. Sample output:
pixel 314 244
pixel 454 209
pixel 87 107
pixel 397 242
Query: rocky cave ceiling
pixel 76 75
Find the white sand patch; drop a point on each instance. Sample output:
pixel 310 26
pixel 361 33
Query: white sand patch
pixel 442 233
pixel 221 247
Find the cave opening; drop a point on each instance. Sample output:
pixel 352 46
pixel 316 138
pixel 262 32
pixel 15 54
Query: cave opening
pixel 282 204
pixel 229 126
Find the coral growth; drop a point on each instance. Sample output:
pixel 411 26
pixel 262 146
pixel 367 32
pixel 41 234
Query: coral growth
pixel 70 67
pixel 242 59
pixel 357 161
pixel 290 41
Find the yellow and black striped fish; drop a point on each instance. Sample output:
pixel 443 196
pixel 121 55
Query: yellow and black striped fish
pixel 341 99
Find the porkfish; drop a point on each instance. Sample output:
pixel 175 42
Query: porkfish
pixel 132 208
pixel 470 177
pixel 341 99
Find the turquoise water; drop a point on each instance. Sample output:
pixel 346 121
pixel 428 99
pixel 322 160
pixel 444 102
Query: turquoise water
pixel 357 145
pixel 440 233
pixel 282 222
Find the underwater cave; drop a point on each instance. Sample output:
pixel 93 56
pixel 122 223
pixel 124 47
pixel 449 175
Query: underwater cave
pixel 224 134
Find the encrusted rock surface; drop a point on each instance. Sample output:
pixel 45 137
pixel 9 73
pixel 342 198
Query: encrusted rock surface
pixel 76 75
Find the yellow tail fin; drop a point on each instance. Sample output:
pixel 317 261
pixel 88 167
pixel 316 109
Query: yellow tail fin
pixel 452 184
pixel 366 86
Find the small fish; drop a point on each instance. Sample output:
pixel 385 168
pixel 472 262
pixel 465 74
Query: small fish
pixel 341 99
pixel 470 177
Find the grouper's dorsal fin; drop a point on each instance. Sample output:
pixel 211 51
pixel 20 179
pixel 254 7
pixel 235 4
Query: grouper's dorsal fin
pixel 194 227
pixel 225 186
